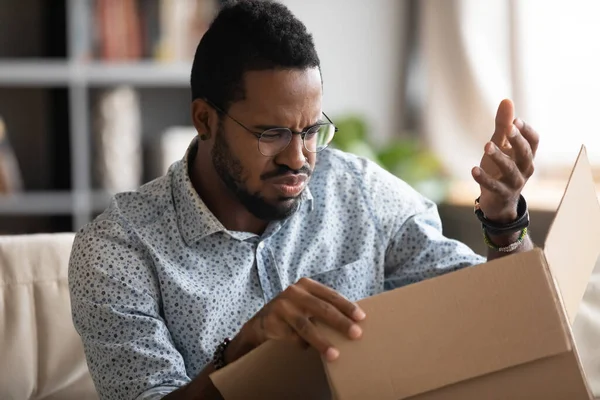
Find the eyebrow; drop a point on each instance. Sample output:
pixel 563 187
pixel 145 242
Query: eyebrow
pixel 266 127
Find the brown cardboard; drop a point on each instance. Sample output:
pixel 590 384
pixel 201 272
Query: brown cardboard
pixel 573 236
pixel 276 370
pixel 500 330
pixel 460 327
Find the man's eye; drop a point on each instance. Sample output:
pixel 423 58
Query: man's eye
pixel 312 131
pixel 271 136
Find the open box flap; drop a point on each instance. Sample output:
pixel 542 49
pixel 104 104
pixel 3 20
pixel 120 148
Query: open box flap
pixel 449 329
pixel 573 242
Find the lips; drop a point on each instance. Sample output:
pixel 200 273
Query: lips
pixel 290 185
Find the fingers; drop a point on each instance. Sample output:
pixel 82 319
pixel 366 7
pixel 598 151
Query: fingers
pixel 504 120
pixel 510 175
pixel 332 297
pixel 515 158
pixel 324 311
pixel 522 153
pixel 304 328
pixel 489 183
pixel 532 137
pixel 290 317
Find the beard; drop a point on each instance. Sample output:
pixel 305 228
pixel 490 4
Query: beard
pixel 230 170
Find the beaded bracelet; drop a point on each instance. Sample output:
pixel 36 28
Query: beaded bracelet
pixel 505 249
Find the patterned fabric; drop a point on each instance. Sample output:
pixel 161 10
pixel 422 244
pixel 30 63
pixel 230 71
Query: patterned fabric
pixel 157 282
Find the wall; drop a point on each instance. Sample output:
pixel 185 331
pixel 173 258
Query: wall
pixel 360 43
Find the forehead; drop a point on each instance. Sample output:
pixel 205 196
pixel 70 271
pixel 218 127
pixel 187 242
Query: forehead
pixel 293 90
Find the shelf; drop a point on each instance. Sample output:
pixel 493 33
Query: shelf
pixel 70 112
pixel 51 203
pixel 34 73
pixel 137 74
pixel 63 73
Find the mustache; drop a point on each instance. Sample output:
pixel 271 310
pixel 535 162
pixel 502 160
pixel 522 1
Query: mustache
pixel 285 170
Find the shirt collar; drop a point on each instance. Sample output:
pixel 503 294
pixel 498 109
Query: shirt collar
pixel 194 218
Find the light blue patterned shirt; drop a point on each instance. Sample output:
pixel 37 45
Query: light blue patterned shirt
pixel 157 282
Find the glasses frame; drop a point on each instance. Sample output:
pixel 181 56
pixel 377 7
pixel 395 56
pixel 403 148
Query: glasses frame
pixel 259 135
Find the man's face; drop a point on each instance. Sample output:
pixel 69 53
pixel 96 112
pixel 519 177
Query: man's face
pixel 269 187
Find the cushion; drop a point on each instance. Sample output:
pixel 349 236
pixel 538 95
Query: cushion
pixel 41 353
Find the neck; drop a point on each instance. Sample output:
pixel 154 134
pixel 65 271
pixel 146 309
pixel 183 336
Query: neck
pixel 219 199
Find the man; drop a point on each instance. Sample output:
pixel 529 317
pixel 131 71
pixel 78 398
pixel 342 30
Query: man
pixel 261 229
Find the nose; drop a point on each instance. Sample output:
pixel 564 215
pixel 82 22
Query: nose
pixel 294 155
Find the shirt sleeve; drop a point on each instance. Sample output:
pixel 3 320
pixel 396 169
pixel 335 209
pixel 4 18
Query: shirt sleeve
pixel 411 230
pixel 115 300
pixel 418 250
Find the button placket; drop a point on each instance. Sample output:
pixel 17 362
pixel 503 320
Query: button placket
pixel 268 274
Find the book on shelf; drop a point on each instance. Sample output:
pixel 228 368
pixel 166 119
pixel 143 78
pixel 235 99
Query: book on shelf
pixel 118 28
pixel 10 174
pixel 117 134
pixel 128 30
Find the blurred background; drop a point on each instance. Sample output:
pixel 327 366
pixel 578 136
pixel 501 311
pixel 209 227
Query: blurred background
pixel 95 99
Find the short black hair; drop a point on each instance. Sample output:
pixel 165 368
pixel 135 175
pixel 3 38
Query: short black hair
pixel 248 35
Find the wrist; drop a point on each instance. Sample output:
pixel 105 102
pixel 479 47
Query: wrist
pixel 505 243
pixel 504 223
pixel 507 213
pixel 503 217
pixel 239 346
pixel 502 240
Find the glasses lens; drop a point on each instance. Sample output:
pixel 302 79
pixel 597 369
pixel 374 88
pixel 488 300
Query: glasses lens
pixel 318 137
pixel 273 141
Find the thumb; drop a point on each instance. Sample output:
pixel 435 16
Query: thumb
pixel 504 122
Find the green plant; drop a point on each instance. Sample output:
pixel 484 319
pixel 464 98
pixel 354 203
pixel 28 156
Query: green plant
pixel 406 158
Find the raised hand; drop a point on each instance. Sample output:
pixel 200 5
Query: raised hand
pixel 506 165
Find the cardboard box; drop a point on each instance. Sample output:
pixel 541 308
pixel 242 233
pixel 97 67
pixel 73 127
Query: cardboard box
pixel 499 330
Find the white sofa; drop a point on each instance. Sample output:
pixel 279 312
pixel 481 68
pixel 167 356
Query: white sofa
pixel 41 355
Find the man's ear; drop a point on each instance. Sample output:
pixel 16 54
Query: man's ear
pixel 202 117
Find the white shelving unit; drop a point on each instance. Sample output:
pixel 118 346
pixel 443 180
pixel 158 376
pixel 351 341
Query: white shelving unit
pixel 42 73
pixel 80 78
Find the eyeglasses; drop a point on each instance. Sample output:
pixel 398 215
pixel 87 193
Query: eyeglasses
pixel 273 141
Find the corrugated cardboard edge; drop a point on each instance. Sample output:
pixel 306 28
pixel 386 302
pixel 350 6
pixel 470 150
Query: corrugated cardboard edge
pixel 582 241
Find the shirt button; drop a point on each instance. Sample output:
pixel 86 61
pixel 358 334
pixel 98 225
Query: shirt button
pixel 261 245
